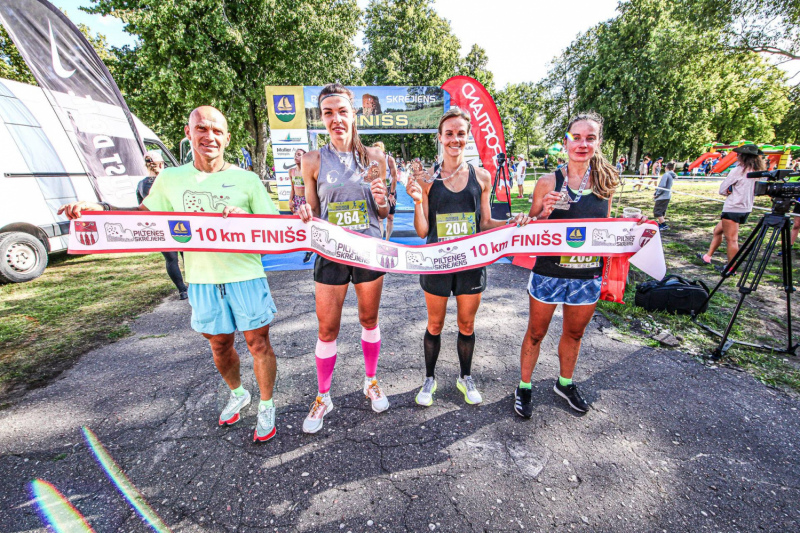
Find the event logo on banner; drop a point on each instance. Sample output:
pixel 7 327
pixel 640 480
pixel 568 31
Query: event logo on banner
pixel 386 109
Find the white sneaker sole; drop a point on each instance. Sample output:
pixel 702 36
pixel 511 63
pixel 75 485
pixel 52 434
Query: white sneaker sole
pixel 572 405
pixel 311 431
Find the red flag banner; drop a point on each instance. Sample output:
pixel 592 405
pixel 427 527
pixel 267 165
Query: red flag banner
pixel 487 128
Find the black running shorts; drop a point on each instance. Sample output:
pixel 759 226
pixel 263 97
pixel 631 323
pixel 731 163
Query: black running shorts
pixel 329 272
pixel 739 218
pixel 464 282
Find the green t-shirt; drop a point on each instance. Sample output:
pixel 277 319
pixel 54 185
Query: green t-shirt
pixel 186 189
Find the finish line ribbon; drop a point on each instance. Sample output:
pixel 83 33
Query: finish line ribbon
pixel 137 231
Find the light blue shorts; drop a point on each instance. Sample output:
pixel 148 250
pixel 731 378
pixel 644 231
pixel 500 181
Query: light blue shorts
pixel 564 291
pixel 221 309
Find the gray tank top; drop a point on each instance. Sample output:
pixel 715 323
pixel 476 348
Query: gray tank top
pixel 345 198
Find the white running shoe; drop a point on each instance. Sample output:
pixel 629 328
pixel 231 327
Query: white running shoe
pixel 321 407
pixel 373 391
pixel 467 386
pixel 425 394
pixel 265 426
pixel 230 415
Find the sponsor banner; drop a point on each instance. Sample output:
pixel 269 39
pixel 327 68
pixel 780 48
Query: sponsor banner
pixel 285 108
pixel 128 231
pixel 82 92
pixel 282 179
pixel 286 151
pixel 386 109
pixel 470 95
pixel 299 138
pixel 284 192
pixel 284 165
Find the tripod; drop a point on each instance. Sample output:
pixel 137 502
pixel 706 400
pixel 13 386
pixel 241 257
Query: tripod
pixel 754 255
pixel 501 211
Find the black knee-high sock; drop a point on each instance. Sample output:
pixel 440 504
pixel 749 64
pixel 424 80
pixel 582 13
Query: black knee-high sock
pixel 465 346
pixel 431 345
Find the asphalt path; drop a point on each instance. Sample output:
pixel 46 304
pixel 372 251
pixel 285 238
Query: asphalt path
pixel 670 444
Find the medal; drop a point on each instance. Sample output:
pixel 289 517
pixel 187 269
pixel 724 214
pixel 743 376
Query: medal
pixel 564 201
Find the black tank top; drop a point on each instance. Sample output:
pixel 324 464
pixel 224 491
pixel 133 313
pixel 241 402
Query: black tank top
pixel 574 267
pixel 463 206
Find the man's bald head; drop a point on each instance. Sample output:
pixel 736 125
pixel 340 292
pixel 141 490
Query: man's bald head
pixel 208 132
pixel 208 113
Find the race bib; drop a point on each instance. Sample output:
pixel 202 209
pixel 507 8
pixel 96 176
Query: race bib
pixel 579 261
pixel 350 215
pixel 454 225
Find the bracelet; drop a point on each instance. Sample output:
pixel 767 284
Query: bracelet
pixel 417 202
pixel 105 206
pixel 382 206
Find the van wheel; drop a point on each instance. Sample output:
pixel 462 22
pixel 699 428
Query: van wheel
pixel 23 257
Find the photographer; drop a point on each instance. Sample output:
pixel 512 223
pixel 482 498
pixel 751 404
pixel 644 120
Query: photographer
pixel 739 202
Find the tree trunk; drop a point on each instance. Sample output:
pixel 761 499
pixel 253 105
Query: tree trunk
pixel 259 131
pixel 634 150
pixel 403 147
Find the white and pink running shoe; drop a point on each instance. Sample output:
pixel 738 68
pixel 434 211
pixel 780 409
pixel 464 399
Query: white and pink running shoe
pixel 373 391
pixel 321 407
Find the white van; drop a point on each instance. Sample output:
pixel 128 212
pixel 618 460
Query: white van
pixel 40 171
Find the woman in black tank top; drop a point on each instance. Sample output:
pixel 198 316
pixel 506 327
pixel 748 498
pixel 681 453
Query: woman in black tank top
pixel 582 189
pixel 452 201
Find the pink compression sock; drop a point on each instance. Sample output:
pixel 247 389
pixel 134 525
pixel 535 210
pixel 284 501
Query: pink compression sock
pixel 371 345
pixel 326 361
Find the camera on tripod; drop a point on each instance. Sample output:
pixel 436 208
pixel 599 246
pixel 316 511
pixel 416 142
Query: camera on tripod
pixel 778 187
pixel 501 159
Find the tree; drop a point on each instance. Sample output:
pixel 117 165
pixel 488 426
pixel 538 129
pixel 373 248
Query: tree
pixel 407 43
pixel 475 65
pixel 763 26
pixel 520 106
pixel 559 89
pixel 204 52
pixel 788 131
pixel 12 66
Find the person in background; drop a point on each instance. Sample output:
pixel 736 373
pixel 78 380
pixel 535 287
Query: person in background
pixel 155 164
pixel 655 172
pixel 662 196
pixel 560 163
pixel 297 196
pixel 644 167
pixel 739 190
pixel 546 162
pixel 521 166
pixel 391 185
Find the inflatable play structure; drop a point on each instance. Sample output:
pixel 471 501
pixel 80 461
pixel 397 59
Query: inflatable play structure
pixel 779 156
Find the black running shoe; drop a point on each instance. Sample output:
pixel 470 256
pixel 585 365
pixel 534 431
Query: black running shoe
pixel 307 257
pixel 573 397
pixel 522 402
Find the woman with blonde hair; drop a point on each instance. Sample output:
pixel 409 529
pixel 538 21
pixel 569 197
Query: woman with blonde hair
pixel 345 185
pixel 452 200
pixel 580 190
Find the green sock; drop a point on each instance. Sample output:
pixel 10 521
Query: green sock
pixel 523 385
pixel 239 391
pixel 267 403
pixel 564 381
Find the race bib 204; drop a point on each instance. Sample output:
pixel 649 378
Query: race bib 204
pixel 351 215
pixel 453 225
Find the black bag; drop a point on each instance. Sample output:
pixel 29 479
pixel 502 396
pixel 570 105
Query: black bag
pixel 673 294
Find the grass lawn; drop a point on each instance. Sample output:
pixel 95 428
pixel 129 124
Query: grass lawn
pixel 79 303
pixel 763 316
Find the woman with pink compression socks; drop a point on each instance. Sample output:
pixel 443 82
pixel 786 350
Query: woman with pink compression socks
pixel 344 184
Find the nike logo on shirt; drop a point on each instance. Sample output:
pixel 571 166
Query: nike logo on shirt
pixel 226 186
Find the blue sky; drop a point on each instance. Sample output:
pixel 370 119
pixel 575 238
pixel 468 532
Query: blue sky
pixel 519 36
